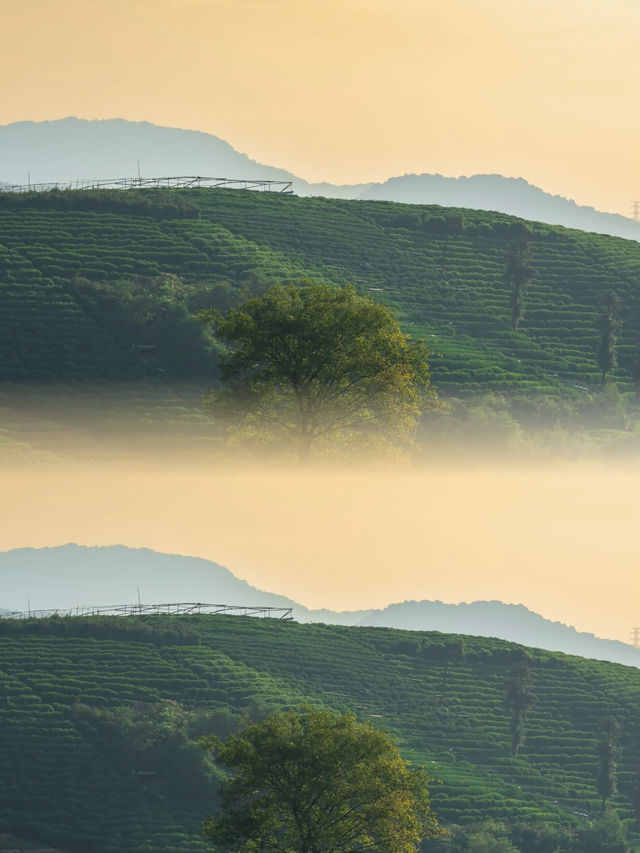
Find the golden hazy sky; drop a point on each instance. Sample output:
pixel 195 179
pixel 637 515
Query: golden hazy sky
pixel 559 538
pixel 352 90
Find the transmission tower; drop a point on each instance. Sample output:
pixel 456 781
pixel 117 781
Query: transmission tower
pixel 636 210
pixel 635 637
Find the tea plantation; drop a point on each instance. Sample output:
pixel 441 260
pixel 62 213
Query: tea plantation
pixel 99 717
pixel 105 285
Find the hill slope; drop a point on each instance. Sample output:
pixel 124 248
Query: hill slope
pixel 104 285
pixel 97 716
pixel 72 575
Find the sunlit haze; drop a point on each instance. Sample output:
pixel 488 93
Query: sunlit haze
pixel 352 90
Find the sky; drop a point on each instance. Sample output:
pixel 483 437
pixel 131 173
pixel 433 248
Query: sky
pixel 352 90
pixel 560 538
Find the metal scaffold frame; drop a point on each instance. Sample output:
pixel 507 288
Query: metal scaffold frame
pixel 176 609
pixel 175 182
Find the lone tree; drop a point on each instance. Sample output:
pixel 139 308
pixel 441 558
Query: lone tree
pixel 609 753
pixel 519 698
pixel 317 782
pixel 518 273
pixel 610 325
pixel 310 362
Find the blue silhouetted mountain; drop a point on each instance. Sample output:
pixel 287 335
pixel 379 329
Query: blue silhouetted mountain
pixel 73 149
pixel 514 196
pixel 513 622
pixel 79 576
pixel 70 576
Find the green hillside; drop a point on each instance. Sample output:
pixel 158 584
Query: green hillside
pixel 98 717
pixel 104 285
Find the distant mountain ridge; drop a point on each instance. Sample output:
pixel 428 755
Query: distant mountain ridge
pixel 72 149
pixel 79 576
pixel 514 196
pixel 74 575
pixel 513 622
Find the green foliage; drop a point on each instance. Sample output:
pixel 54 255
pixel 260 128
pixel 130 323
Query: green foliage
pixel 163 204
pixel 151 318
pixel 151 740
pixel 483 843
pixel 162 631
pixel 607 835
pixel 315 363
pixel 490 836
pixel 542 837
pixel 605 421
pixel 486 422
pixel 312 781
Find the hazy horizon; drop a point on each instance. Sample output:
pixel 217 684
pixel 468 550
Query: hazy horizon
pixel 70 149
pixel 147 599
pixel 557 537
pixel 538 91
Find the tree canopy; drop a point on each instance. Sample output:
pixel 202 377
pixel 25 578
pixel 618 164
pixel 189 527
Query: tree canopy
pixel 519 697
pixel 318 782
pixel 609 752
pixel 519 273
pixel 610 325
pixel 314 362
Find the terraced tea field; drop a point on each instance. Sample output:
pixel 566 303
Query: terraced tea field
pixel 104 285
pixel 98 717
